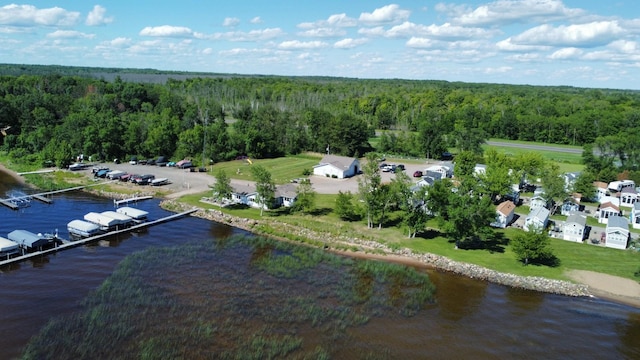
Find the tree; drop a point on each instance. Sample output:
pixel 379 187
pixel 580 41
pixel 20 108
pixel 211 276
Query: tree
pixel 222 188
pixel 470 216
pixel 465 163
pixel 532 246
pixel 265 187
pixel 306 196
pixel 554 187
pixel 496 180
pixel 584 185
pixel 369 187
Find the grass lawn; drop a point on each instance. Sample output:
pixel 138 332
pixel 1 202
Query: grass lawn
pixel 282 170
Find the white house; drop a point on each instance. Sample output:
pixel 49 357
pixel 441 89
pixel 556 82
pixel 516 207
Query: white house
pixel 337 166
pixel 480 170
pixel 244 194
pixel 569 206
pixel 446 171
pixel 606 210
pixel 617 233
pixel 537 219
pixel 601 189
pixel 616 186
pixel 538 199
pixel 286 195
pixel 574 228
pixel 504 214
pixel 634 217
pixel 628 196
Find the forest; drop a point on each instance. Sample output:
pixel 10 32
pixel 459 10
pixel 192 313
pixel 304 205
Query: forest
pixel 53 114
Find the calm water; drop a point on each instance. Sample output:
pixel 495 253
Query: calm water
pixel 470 319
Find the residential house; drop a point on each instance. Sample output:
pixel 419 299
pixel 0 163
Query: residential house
pixel 337 167
pixel 426 181
pixel 504 214
pixel 444 169
pixel 480 170
pixel 286 195
pixel 244 194
pixel 628 196
pixel 608 209
pixel 538 199
pixel 436 175
pixel 602 189
pixel 569 206
pixel 574 228
pixel 617 233
pixel 634 217
pixel 617 186
pixel 537 219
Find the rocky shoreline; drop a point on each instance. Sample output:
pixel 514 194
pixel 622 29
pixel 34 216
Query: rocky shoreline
pixel 362 248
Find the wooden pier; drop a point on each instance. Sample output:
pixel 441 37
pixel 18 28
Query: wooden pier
pixel 12 202
pixel 130 200
pixel 75 243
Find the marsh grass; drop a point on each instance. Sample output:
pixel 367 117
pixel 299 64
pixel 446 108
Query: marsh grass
pixel 244 298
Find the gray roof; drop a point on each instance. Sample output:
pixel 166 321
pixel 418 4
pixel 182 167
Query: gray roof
pixel 286 190
pixel 27 238
pixel 340 162
pixel 539 213
pixel 249 188
pixel 578 219
pixel 617 222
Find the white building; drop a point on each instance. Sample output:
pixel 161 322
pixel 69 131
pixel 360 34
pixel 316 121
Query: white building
pixel 537 219
pixel 574 228
pixel 337 167
pixel 617 233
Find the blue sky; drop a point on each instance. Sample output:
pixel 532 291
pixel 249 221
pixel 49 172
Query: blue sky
pixel 585 43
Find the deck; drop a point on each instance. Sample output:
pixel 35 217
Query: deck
pixel 75 243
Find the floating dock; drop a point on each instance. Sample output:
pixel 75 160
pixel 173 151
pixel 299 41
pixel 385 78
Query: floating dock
pixel 75 243
pixel 130 200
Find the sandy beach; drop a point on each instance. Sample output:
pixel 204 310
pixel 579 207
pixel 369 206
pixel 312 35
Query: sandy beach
pixel 613 288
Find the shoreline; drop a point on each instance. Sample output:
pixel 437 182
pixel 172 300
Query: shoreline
pixel 583 283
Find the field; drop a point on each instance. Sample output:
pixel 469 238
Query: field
pixel 282 170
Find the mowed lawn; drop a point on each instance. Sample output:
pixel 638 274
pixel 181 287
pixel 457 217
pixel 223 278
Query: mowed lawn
pixel 282 170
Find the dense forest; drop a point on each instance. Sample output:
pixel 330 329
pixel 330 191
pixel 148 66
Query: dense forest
pixel 52 114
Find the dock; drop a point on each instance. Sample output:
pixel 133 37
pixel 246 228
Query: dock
pixel 75 243
pixel 12 202
pixel 130 200
pixel 11 205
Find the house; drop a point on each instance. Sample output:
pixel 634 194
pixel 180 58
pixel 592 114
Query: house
pixel 617 233
pixel 286 195
pixel 445 170
pixel 538 200
pixel 537 219
pixel 616 186
pixel 570 180
pixel 628 196
pixel 436 175
pixel 242 194
pixel 574 228
pixel 602 189
pixel 504 214
pixel 634 217
pixel 337 167
pixel 480 170
pixel 426 181
pixel 606 210
pixel 569 206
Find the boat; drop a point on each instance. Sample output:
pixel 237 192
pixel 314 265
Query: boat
pixel 136 214
pixel 115 174
pixel 159 182
pixel 83 228
pixel 8 247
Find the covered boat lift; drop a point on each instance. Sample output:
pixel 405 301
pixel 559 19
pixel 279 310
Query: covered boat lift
pixel 28 240
pixel 123 219
pixel 83 228
pixel 106 223
pixel 8 247
pixel 136 214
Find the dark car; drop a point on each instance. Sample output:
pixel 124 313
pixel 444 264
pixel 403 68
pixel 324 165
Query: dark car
pixel 186 165
pixel 400 166
pixel 162 161
pixel 417 173
pixel 144 179
pixel 151 161
pixel 102 173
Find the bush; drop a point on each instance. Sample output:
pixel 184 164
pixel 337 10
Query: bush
pixel 306 172
pixel 334 176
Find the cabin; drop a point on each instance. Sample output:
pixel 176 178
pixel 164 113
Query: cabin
pixel 335 166
pixel 8 247
pixel 537 219
pixel 538 200
pixel 30 241
pixel 574 227
pixel 606 210
pixel 504 214
pixel 445 170
pixel 480 170
pixel 81 228
pixel 617 233
pixel 634 216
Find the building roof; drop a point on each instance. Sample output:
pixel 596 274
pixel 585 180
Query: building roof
pixel 629 190
pixel 340 162
pixel 506 207
pixel 609 204
pixel 286 190
pixel 617 222
pixel 539 213
pixel 577 218
pixel 601 185
pixel 246 189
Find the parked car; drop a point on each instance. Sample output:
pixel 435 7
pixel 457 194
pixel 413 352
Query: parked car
pixel 171 163
pixel 133 160
pixel 144 179
pixel 162 161
pixel 102 173
pixel 417 174
pixel 151 161
pixel 401 167
pixel 184 164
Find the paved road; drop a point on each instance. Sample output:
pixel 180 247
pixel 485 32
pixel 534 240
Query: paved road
pixel 535 147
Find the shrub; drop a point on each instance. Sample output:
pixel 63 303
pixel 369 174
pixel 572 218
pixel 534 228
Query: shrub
pixel 306 172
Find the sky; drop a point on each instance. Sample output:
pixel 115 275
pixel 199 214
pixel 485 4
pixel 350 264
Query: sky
pixel 582 43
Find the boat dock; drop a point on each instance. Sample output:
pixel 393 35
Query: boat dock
pixel 130 200
pixel 13 203
pixel 74 243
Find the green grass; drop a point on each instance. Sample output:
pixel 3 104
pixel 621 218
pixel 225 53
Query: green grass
pixel 568 162
pixel 282 170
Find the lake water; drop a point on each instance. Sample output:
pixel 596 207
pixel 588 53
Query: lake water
pixel 470 319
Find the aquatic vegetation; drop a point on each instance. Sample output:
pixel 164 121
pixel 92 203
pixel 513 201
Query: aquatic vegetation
pixel 244 298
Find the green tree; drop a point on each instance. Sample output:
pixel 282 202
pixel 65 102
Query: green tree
pixel 465 164
pixel 532 246
pixel 584 185
pixel 496 180
pixel 265 187
pixel 344 206
pixel 369 185
pixel 554 186
pixel 222 187
pixel 306 197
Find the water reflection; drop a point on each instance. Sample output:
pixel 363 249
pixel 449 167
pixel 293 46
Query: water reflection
pixel 459 298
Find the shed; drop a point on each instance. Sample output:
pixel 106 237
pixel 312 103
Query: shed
pixel 27 239
pixel 134 213
pixel 504 214
pixel 83 228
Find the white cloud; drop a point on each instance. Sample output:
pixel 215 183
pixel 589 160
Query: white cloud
pixel 337 20
pixel 237 36
pixel 256 20
pixel 389 14
pixel 513 11
pixel 418 42
pixel 323 32
pixel 349 43
pixel 29 15
pixel 498 70
pixel 230 22
pixel 509 45
pixel 444 31
pixel 375 31
pixel 301 45
pixel 566 53
pixel 582 35
pixel 97 16
pixel 624 46
pixel 119 42
pixel 69 34
pixel 244 52
pixel 166 31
